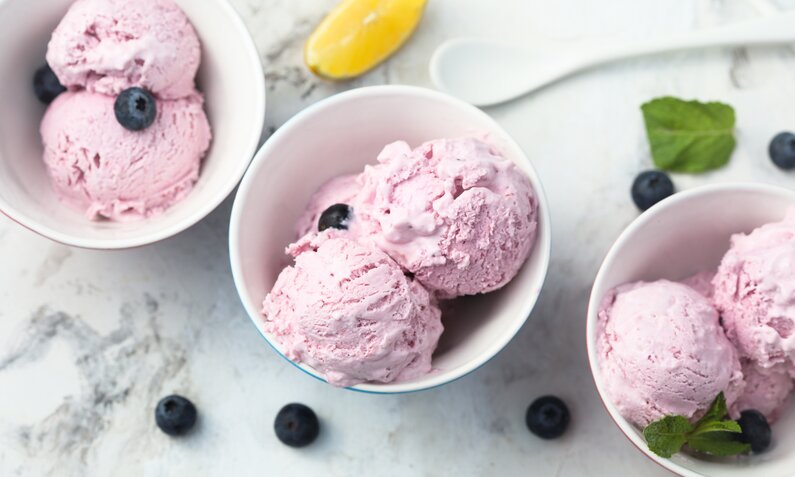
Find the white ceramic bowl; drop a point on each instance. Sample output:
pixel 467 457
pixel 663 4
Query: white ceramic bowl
pixel 682 235
pixel 341 135
pixel 230 77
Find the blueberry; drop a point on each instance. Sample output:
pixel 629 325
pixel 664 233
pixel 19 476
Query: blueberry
pixel 756 430
pixel 135 109
pixel 175 415
pixel 782 150
pixel 296 425
pixel 335 217
pixel 547 417
pixel 46 84
pixel 651 187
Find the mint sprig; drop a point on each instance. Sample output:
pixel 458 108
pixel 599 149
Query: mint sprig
pixel 689 136
pixel 666 436
pixel 713 434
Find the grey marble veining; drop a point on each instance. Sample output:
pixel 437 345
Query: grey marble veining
pixel 89 341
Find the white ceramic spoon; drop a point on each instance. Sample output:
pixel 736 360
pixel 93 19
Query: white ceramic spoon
pixel 485 72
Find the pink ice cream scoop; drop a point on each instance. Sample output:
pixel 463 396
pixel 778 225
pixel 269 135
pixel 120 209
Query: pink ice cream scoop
pixel 662 352
pixel 766 390
pixel 755 293
pixel 111 172
pixel 339 190
pixel 107 46
pixel 454 212
pixel 347 309
pixel 702 283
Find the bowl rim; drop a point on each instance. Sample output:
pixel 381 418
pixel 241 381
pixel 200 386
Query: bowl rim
pixel 263 159
pixel 257 97
pixel 596 296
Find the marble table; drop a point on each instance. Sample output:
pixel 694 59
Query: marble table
pixel 89 341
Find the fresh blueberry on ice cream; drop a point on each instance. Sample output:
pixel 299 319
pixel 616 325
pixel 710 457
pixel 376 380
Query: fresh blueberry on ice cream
pixel 346 309
pixel 756 430
pixel 335 217
pixel 339 190
pixel 662 352
pixel 46 85
pixel 135 109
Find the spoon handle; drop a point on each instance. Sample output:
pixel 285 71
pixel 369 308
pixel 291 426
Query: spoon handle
pixel 775 29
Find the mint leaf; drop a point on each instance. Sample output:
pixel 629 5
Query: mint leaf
pixel 689 136
pixel 717 426
pixel 718 444
pixel 716 412
pixel 667 435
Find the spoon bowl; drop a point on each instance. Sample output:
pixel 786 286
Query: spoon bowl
pixel 503 71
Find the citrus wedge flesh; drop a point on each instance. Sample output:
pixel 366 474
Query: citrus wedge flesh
pixel 359 34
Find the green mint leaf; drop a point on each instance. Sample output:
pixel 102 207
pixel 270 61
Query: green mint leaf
pixel 689 136
pixel 666 436
pixel 716 412
pixel 717 426
pixel 717 444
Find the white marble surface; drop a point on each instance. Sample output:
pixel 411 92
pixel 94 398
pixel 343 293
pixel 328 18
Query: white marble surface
pixel 89 341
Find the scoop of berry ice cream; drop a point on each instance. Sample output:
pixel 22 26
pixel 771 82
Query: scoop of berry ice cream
pixel 454 212
pixel 347 309
pixel 755 293
pixel 662 352
pixel 106 46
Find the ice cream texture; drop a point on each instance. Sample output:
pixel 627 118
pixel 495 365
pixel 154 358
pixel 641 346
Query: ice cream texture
pixel 347 309
pixel 702 283
pixel 454 212
pixel 100 48
pixel 663 352
pixel 766 390
pixel 449 218
pixel 106 46
pixel 755 293
pixel 111 172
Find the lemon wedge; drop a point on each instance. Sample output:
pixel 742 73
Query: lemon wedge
pixel 359 34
